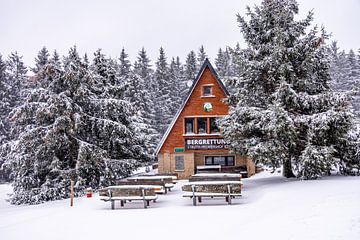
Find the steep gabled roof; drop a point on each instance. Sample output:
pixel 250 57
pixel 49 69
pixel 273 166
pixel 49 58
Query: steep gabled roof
pixel 196 80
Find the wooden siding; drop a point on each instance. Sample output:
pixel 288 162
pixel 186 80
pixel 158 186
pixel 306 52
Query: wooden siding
pixel 195 107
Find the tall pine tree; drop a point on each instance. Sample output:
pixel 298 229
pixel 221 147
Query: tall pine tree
pixel 283 111
pixel 73 125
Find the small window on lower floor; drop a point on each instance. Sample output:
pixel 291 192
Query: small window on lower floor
pixel 220 160
pixel 179 163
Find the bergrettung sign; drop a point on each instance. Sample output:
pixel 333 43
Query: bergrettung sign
pixel 206 144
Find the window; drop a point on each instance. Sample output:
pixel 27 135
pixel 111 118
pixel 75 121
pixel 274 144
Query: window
pixel 189 125
pixel 230 161
pixel 213 126
pixel 179 163
pixel 207 91
pixel 202 125
pixel 220 160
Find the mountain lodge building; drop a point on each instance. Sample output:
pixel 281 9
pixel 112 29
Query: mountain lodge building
pixel 193 141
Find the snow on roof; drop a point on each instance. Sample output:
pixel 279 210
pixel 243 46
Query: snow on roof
pixel 202 69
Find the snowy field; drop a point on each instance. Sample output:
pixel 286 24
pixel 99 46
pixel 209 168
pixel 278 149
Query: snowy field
pixel 271 208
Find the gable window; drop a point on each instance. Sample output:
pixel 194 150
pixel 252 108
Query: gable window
pixel 189 125
pixel 207 91
pixel 202 125
pixel 214 128
pixel 179 163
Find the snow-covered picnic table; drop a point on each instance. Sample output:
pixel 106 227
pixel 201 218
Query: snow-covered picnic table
pixel 215 177
pixel 167 180
pixel 199 189
pixel 145 193
pixel 207 168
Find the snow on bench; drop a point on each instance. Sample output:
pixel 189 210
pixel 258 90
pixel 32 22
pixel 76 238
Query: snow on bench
pixel 208 168
pixel 174 176
pixel 227 189
pixel 215 177
pixel 145 193
pixel 168 180
pixel 159 186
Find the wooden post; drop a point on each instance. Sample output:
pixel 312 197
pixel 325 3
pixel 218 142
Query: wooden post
pixel 193 188
pixel 229 192
pixel 143 196
pixel 71 193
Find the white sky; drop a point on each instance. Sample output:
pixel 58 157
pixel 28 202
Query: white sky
pixel 179 26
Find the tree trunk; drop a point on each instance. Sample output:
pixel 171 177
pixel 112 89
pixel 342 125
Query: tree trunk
pixel 287 169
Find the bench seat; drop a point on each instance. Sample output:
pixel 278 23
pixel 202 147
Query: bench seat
pixel 203 194
pixel 124 193
pixel 150 198
pixel 227 189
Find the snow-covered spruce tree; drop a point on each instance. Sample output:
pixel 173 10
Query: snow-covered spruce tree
pixel 124 64
pixel 352 80
pixel 108 127
pixel 5 103
pixel 5 109
pixel 43 157
pixel 223 63
pixel 138 94
pixel 191 66
pixel 201 56
pixel 283 111
pixel 71 128
pixel 56 59
pixel 178 82
pixel 163 94
pixel 143 119
pixel 142 68
pixel 143 76
pixel 16 81
pixel 41 60
pixel 337 68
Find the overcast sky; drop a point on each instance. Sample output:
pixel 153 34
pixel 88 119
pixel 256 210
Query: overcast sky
pixel 179 26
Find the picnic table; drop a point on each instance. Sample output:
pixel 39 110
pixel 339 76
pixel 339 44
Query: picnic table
pixel 148 179
pixel 145 193
pixel 215 177
pixel 199 189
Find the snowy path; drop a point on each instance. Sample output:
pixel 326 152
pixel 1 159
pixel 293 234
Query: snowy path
pixel 272 208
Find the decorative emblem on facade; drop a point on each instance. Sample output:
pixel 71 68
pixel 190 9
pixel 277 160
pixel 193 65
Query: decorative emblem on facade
pixel 208 107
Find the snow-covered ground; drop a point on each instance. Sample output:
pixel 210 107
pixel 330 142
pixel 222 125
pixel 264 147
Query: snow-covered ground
pixel 271 208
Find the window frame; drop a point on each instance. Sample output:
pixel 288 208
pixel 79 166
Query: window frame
pixel 210 129
pixel 226 160
pixel 206 125
pixel 183 163
pixel 209 86
pixel 196 125
pixel 193 125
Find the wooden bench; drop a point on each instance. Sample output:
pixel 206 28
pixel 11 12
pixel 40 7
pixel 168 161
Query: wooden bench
pixel 208 168
pixel 198 190
pixel 215 177
pixel 147 180
pixel 159 186
pixel 174 176
pixel 128 193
